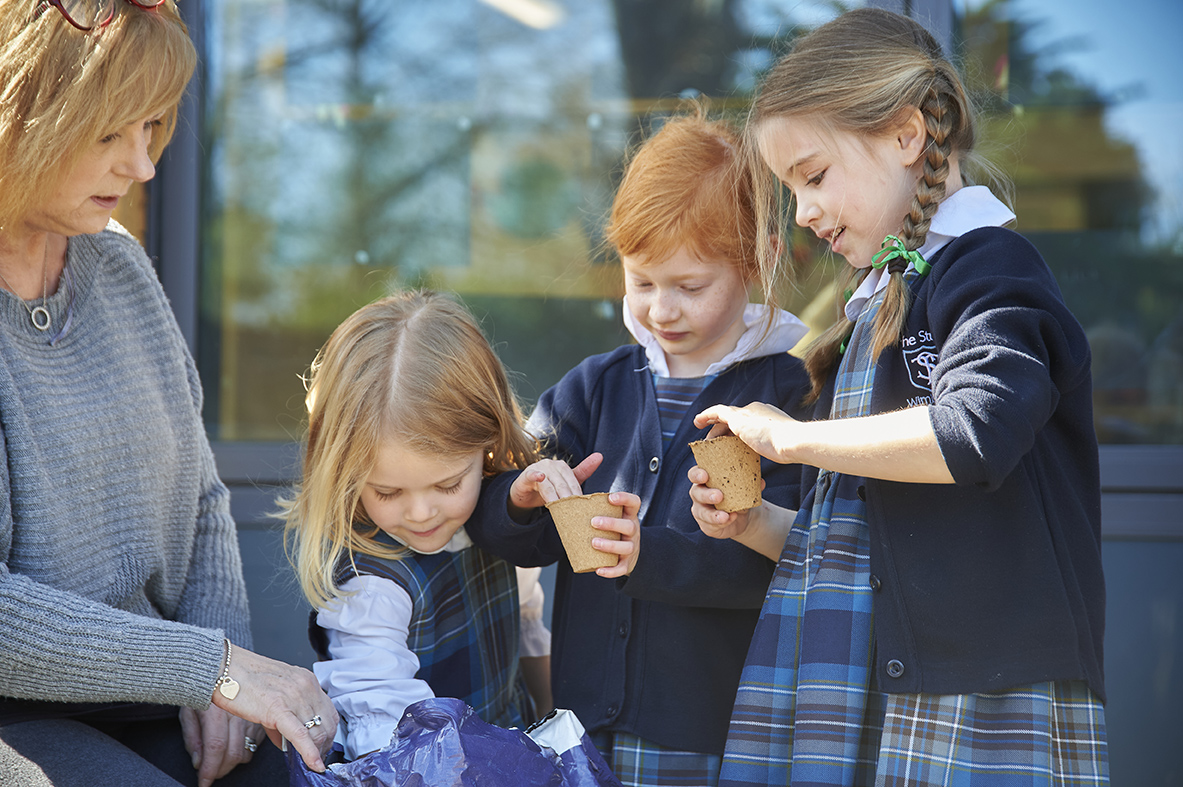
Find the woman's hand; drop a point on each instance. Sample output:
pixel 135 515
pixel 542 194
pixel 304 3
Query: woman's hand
pixel 548 480
pixel 216 740
pixel 628 548
pixel 765 429
pixel 283 699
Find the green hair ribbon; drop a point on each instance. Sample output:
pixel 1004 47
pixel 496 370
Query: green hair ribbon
pixel 893 248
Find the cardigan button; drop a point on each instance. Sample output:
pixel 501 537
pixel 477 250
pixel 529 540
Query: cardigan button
pixel 895 668
pixel 862 493
pixel 622 630
pixel 875 583
pixel 654 463
pixel 611 710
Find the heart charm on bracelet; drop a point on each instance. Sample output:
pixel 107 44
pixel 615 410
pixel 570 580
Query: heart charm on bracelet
pixel 227 685
pixel 229 688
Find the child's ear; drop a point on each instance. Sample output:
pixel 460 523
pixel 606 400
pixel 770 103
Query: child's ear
pixel 912 136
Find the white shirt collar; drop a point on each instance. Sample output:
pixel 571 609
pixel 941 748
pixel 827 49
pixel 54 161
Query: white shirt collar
pixel 782 336
pixel 457 543
pixel 968 208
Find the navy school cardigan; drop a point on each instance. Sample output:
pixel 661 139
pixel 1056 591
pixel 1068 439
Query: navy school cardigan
pixel 994 581
pixel 657 654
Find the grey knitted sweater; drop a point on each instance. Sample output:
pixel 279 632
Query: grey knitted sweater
pixel 119 562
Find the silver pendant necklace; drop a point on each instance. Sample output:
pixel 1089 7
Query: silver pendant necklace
pixel 38 315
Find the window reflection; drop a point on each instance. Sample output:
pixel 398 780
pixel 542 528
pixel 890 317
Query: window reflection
pixel 357 146
pixel 1082 118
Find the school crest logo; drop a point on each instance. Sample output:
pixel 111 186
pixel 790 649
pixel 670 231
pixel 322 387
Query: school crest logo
pixel 921 358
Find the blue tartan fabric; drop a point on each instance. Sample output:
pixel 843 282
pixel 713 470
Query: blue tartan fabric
pixel 806 712
pixel 641 763
pixel 801 714
pixel 1037 736
pixel 464 628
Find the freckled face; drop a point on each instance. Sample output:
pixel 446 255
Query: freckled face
pixel 421 499
pixel 694 307
pixel 89 193
pixel 852 191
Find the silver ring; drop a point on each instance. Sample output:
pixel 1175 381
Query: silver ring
pixel 313 722
pixel 250 744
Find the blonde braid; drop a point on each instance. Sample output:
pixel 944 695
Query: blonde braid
pixel 939 119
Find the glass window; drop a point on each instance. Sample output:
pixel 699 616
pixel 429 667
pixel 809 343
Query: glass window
pixel 359 146
pixel 352 147
pixel 1083 113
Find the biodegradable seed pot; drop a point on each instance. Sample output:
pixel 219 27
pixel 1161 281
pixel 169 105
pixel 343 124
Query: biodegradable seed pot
pixel 573 517
pixel 734 470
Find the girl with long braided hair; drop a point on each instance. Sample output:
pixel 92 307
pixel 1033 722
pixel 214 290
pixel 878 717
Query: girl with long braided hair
pixel 957 501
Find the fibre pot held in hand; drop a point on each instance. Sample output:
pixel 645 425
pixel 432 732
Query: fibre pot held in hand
pixel 572 517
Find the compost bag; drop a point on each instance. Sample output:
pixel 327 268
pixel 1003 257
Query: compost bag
pixel 441 742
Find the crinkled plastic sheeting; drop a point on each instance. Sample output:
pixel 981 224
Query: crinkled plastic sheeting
pixel 441 742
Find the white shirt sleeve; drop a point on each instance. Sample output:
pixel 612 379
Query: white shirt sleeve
pixel 532 598
pixel 370 676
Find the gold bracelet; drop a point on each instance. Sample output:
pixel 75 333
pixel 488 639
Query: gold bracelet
pixel 227 685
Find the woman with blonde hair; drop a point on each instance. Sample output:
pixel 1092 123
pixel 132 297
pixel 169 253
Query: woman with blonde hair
pixel 121 590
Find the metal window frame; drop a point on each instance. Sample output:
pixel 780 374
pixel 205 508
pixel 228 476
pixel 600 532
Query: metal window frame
pixel 1142 485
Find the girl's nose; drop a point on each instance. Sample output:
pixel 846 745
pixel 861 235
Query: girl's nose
pixel 663 308
pixel 419 510
pixel 806 213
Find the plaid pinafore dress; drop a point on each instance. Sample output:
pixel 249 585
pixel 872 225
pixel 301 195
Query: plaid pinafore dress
pixel 807 712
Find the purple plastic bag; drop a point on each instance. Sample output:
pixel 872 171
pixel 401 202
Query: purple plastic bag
pixel 441 742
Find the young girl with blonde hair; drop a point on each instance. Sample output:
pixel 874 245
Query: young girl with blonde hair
pixel 648 653
pixel 409 413
pixel 958 502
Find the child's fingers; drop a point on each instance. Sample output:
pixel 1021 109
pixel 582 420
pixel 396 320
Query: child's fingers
pixel 524 491
pixel 589 465
pixel 711 520
pixel 629 503
pixel 703 495
pixel 612 572
pixel 719 430
pixel 707 417
pixel 545 487
pixel 561 485
pixel 625 548
pixel 627 528
pixel 716 417
pixel 715 523
pixel 566 481
pixel 550 480
pixel 613 546
pixel 712 517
